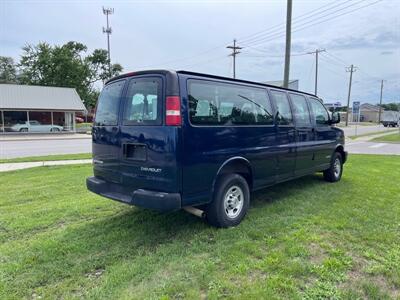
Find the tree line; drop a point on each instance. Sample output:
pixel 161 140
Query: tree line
pixel 68 65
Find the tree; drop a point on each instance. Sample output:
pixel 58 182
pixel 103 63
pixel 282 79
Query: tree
pixel 8 70
pixel 391 106
pixel 67 66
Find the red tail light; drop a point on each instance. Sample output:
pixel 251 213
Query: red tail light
pixel 173 111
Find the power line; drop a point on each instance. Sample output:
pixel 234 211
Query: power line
pixel 302 27
pixel 249 37
pixel 278 27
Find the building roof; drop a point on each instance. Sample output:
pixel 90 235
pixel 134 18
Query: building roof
pixel 14 96
pixel 369 107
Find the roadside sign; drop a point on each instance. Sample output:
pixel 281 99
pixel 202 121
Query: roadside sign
pixel 356 107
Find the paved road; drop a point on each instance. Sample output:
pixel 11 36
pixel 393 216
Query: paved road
pixel 363 147
pixel 363 129
pixel 12 149
pixel 18 148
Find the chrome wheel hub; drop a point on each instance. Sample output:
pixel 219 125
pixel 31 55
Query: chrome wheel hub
pixel 233 201
pixel 336 167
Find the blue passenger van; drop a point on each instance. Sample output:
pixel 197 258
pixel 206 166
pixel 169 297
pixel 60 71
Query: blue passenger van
pixel 168 140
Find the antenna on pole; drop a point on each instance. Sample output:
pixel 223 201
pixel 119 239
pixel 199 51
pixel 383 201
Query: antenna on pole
pixel 108 31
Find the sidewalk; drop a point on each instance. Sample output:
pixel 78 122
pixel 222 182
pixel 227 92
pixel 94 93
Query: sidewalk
pixel 38 137
pixel 370 137
pixel 26 165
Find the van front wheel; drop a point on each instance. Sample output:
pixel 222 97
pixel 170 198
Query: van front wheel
pixel 230 202
pixel 334 173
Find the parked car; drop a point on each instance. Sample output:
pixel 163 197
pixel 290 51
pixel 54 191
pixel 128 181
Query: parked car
pixel 168 140
pixel 36 126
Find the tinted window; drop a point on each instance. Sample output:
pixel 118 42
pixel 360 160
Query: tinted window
pixel 283 112
pixel 300 110
pixel 143 102
pixel 228 104
pixel 108 105
pixel 320 113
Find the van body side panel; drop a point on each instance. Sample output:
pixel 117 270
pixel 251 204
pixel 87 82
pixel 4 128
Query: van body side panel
pixel 207 148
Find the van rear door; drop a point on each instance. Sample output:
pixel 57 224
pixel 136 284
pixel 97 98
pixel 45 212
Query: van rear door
pixel 106 133
pixel 149 148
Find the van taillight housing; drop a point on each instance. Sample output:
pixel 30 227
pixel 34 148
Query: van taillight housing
pixel 173 111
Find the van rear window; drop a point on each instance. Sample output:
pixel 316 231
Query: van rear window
pixel 214 103
pixel 108 104
pixel 143 102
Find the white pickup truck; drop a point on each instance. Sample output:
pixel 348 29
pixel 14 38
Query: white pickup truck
pixel 35 126
pixel 390 118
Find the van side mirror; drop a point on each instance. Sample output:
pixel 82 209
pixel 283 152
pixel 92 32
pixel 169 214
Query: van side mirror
pixel 335 118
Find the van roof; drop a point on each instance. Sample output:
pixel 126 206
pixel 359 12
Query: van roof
pixel 171 72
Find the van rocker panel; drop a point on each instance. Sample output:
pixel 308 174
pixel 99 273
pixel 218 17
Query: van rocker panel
pixel 160 201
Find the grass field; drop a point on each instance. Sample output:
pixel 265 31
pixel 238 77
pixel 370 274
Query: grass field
pixel 48 158
pixel 305 239
pixel 391 138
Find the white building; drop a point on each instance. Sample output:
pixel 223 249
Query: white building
pixel 29 108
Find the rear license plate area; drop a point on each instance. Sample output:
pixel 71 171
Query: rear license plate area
pixel 135 152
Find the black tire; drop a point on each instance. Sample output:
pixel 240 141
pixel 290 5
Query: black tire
pixel 335 171
pixel 54 129
pixel 23 130
pixel 232 189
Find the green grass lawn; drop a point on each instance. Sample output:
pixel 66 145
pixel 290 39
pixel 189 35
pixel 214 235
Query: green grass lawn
pixel 391 138
pixel 305 239
pixel 48 158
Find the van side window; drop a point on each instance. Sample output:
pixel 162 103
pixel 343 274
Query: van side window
pixel 108 104
pixel 300 110
pixel 283 112
pixel 320 113
pixel 142 103
pixel 215 103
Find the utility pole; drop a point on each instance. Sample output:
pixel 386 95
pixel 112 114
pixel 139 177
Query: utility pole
pixel 380 104
pixel 288 42
pixel 233 54
pixel 316 67
pixel 350 69
pixel 108 31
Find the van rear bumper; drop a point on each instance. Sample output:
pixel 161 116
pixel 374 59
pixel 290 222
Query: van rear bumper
pixel 144 198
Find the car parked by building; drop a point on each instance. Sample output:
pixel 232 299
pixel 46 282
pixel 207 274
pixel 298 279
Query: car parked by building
pixel 36 126
pixel 168 140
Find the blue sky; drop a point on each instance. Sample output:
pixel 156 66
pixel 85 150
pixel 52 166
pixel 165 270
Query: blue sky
pixel 193 35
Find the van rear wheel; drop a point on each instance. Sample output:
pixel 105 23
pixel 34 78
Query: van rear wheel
pixel 334 173
pixel 230 202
